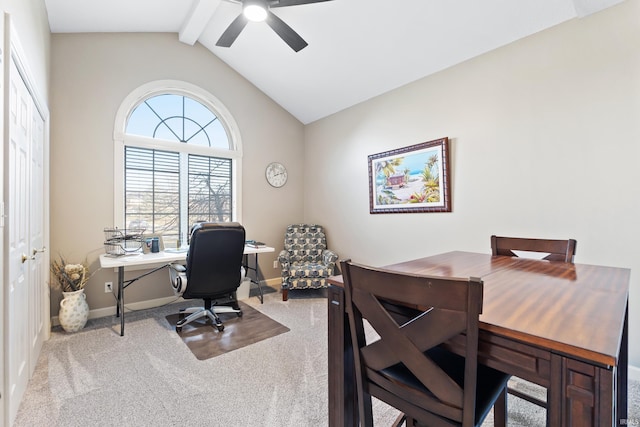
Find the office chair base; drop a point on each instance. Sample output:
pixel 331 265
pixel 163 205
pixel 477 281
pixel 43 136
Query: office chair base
pixel 195 313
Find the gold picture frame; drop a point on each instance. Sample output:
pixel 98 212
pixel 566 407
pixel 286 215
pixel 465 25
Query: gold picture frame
pixel 411 179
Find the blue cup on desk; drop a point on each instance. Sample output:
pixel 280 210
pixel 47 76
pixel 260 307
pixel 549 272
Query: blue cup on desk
pixel 155 245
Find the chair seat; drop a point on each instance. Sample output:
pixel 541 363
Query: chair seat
pixel 310 270
pixel 490 382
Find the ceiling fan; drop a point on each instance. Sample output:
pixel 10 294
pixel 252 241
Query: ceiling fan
pixel 259 10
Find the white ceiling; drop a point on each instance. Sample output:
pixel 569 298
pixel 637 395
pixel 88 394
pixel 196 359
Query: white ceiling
pixel 358 49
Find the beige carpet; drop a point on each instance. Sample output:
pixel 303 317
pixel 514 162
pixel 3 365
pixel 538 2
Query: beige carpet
pixel 149 377
pixel 205 342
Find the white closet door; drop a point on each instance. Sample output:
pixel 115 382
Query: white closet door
pixel 26 297
pixel 38 292
pixel 18 220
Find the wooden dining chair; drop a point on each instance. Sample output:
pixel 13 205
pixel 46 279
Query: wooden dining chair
pixel 407 367
pixel 557 250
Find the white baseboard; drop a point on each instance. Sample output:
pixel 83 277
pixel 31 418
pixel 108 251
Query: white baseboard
pixel 634 373
pixel 276 282
pixel 142 305
pixel 111 311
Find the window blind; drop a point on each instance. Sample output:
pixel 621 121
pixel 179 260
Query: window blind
pixel 209 189
pixel 152 190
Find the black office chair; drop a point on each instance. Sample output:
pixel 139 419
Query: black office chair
pixel 408 366
pixel 213 272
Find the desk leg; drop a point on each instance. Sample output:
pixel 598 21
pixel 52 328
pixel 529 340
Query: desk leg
pixel 622 374
pixel 257 273
pixel 258 279
pixel 342 394
pixel 120 302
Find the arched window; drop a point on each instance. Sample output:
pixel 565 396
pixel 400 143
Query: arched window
pixel 177 161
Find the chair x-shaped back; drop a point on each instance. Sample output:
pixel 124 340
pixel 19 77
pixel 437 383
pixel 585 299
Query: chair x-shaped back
pixel 412 315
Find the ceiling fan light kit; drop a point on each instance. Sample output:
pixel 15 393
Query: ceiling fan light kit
pixel 258 11
pixel 255 10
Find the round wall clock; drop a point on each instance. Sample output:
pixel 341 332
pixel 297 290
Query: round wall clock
pixel 276 174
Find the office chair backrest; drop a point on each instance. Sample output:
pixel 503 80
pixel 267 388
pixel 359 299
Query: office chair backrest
pixel 558 250
pixel 214 259
pixel 413 314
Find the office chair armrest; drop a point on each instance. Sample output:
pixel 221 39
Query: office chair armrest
pixel 178 267
pixel 178 278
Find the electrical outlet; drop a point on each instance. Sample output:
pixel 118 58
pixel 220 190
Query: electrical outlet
pixel 108 287
pixel 275 264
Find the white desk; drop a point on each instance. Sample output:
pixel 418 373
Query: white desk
pixel 158 261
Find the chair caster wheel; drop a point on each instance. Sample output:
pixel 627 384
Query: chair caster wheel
pixel 220 327
pixel 178 329
pixel 239 314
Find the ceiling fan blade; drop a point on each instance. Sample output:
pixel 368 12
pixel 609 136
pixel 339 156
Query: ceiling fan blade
pixel 283 3
pixel 232 32
pixel 286 33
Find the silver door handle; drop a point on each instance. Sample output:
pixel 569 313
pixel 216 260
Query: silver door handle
pixel 26 258
pixel 35 251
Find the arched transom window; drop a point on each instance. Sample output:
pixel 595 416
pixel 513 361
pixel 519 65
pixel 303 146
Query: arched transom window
pixel 173 117
pixel 178 160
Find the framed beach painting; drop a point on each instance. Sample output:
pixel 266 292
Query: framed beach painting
pixel 411 179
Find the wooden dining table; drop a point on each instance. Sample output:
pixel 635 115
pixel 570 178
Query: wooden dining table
pixel 562 326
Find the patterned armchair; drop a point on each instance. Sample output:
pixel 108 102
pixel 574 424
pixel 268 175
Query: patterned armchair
pixel 306 262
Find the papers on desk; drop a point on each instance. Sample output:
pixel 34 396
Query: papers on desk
pixel 124 255
pixel 255 244
pixel 180 250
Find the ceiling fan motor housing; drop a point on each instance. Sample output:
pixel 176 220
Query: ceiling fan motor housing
pixel 259 10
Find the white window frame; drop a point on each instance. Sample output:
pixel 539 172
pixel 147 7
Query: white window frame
pixel 121 139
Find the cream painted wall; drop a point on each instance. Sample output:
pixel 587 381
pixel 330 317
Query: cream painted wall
pixel 30 21
pixel 91 76
pixel 545 142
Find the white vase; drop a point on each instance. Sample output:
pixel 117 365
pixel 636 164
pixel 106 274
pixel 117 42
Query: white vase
pixel 74 311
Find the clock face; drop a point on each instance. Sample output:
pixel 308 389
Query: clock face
pixel 276 174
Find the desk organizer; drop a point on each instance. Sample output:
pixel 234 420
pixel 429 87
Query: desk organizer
pixel 122 241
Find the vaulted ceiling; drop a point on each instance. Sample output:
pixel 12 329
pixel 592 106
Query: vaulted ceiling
pixel 358 49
